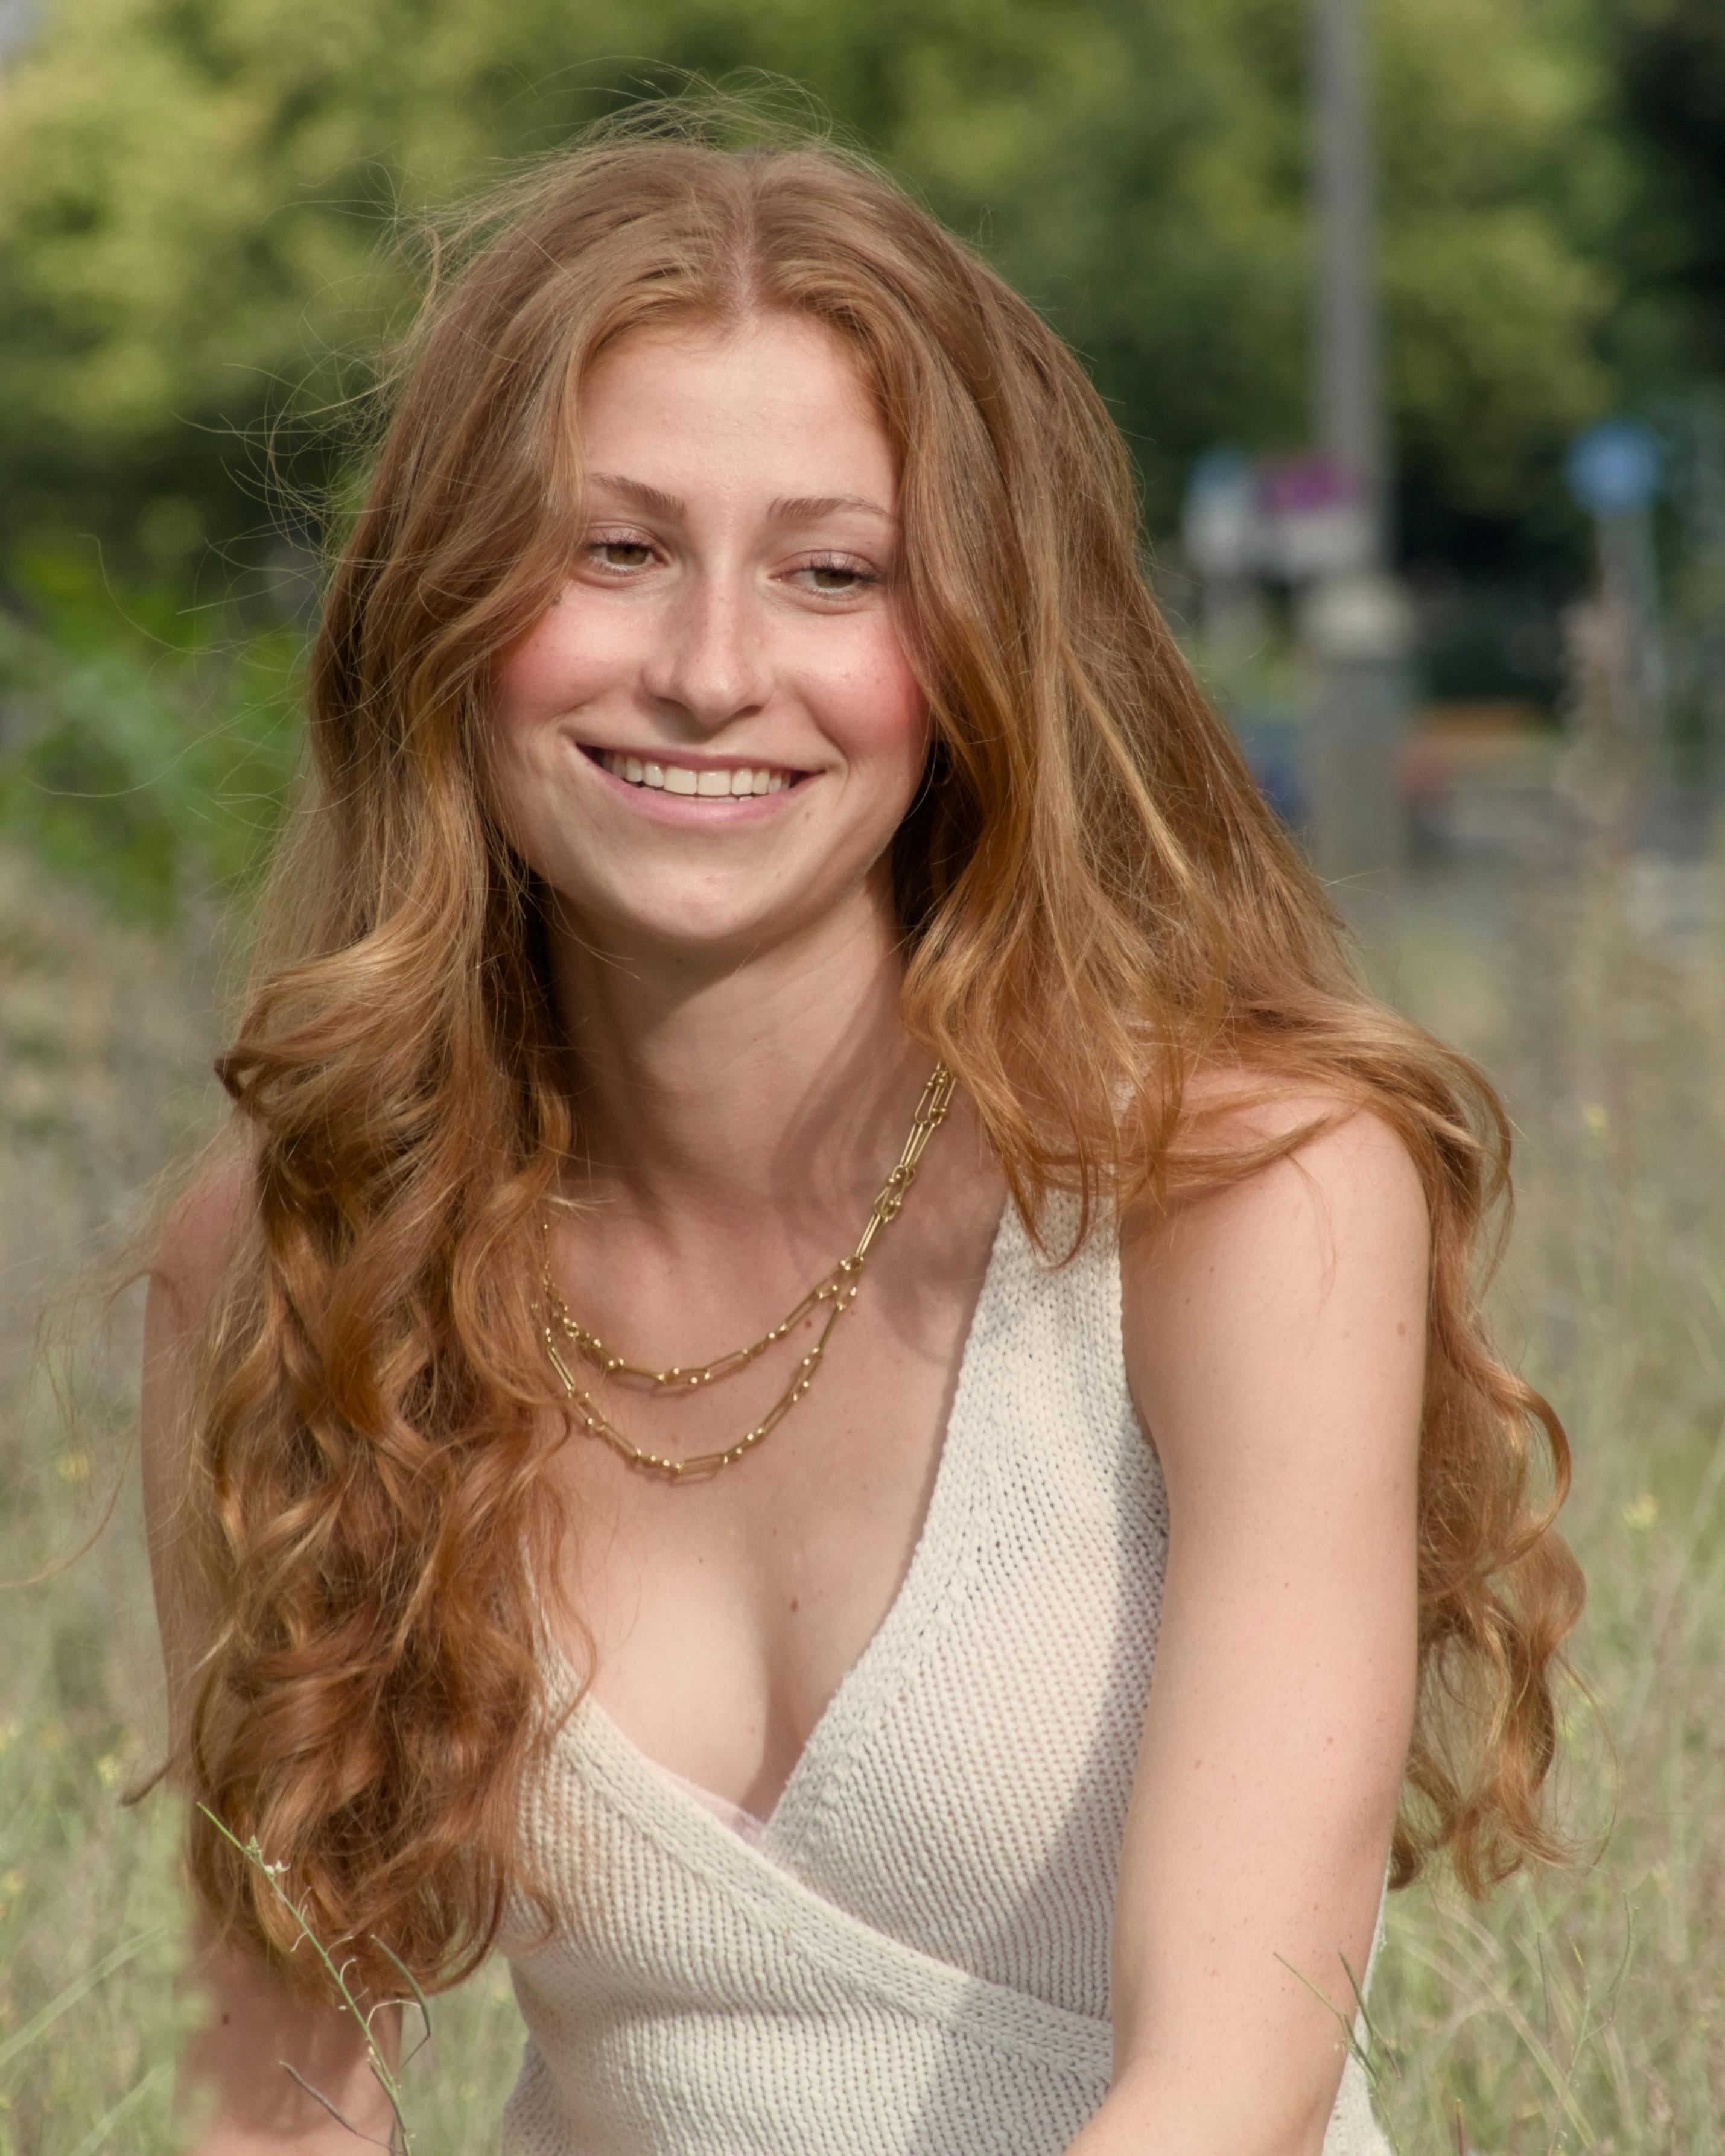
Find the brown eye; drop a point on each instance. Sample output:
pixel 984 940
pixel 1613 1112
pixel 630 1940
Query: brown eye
pixel 837 579
pixel 622 553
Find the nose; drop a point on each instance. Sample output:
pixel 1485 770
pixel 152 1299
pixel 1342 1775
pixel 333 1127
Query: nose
pixel 709 662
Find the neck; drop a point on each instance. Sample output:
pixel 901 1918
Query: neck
pixel 711 1093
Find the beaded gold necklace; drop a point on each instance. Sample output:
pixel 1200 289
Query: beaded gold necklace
pixel 838 1290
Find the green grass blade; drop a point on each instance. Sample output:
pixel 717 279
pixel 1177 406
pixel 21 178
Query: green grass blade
pixel 63 2003
pixel 121 2111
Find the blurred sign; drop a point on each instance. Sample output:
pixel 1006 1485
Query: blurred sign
pixel 1360 617
pixel 1298 519
pixel 1616 468
pixel 1220 524
pixel 1316 519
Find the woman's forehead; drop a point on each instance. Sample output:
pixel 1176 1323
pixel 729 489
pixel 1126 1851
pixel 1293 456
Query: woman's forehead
pixel 779 398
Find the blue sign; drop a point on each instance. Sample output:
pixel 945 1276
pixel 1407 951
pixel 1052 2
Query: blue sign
pixel 1616 468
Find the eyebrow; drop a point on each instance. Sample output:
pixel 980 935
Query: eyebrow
pixel 639 492
pixel 786 509
pixel 810 508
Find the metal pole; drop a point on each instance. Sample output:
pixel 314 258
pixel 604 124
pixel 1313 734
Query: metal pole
pixel 1348 419
pixel 1356 618
pixel 17 19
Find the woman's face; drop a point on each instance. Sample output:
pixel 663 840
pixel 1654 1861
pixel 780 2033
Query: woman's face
pixel 709 740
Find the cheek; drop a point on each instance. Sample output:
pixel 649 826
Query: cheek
pixel 555 666
pixel 880 707
pixel 541 678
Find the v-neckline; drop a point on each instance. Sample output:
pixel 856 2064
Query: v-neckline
pixel 593 1723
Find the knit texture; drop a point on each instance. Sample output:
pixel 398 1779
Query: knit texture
pixel 911 1959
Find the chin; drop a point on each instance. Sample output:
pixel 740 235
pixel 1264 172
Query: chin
pixel 695 929
pixel 708 918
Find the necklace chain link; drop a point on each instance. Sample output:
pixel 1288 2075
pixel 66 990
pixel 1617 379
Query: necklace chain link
pixel 838 1290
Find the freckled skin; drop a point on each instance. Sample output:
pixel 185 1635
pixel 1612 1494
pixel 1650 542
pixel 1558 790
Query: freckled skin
pixel 723 629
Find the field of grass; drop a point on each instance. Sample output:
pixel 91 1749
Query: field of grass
pixel 1578 2011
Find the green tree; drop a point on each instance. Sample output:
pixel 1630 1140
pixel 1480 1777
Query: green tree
pixel 193 190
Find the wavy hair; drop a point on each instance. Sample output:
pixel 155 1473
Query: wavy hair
pixel 1096 902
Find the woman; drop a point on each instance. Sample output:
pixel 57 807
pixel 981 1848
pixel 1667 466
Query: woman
pixel 745 755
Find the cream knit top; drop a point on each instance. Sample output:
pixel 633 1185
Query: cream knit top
pixel 910 1957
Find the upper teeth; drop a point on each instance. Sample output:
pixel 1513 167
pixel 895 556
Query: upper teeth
pixel 683 778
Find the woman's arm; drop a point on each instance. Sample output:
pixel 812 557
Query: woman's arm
pixel 233 2078
pixel 1275 1343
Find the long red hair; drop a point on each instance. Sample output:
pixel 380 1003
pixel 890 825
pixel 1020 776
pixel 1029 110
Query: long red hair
pixel 1095 903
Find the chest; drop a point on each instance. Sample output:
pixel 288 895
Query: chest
pixel 724 1611
pixel 960 1797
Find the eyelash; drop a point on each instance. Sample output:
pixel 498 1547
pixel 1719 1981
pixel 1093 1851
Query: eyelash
pixel 832 563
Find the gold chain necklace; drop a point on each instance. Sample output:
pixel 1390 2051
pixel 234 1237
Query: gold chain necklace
pixel 838 1288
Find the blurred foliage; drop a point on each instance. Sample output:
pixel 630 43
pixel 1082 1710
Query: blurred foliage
pixel 140 746
pixel 196 190
pixel 197 197
pixel 1668 63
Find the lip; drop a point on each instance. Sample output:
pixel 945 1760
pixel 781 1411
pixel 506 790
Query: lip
pixel 690 811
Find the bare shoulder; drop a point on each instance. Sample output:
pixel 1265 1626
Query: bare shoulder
pixel 1346 1159
pixel 1300 1287
pixel 194 1247
pixel 197 1243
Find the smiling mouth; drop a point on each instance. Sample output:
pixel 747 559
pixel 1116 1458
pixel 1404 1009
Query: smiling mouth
pixel 697 781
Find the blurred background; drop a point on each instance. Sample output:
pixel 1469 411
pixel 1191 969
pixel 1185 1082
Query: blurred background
pixel 1413 313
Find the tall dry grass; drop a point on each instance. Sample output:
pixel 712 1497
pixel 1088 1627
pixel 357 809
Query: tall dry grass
pixel 1583 2010
pixel 1579 2010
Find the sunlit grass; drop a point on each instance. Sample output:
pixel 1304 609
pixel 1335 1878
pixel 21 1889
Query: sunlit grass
pixel 1579 2009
